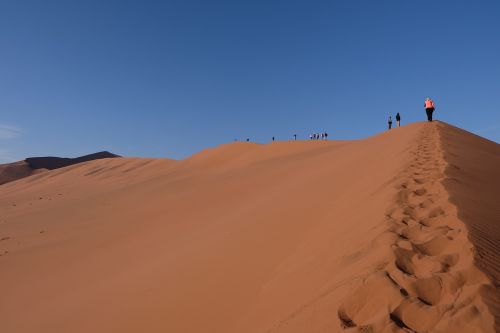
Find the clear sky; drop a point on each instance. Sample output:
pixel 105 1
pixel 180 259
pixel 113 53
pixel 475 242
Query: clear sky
pixel 169 78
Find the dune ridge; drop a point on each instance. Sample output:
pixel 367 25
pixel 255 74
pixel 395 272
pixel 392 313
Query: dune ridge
pixel 51 163
pixel 34 165
pixel 16 170
pixel 431 282
pixel 368 235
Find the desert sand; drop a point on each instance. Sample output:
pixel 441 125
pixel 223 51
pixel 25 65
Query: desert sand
pixel 16 170
pixel 399 232
pixel 33 165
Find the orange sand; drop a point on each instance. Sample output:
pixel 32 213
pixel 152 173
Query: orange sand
pixel 395 233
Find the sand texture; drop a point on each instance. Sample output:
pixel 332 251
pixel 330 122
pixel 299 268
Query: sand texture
pixel 399 232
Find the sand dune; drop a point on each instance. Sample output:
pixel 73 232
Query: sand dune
pixel 34 165
pixel 395 233
pixel 17 170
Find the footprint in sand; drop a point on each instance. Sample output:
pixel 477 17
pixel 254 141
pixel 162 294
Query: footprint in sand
pixel 422 284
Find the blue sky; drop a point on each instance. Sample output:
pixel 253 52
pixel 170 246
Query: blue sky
pixel 169 78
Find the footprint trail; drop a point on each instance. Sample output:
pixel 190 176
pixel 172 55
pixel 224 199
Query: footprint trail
pixel 430 283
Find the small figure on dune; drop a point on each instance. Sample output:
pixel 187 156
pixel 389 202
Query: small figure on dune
pixel 390 122
pixel 429 108
pixel 326 136
pixel 248 140
pixel 273 138
pixel 295 137
pixel 398 119
pixel 310 136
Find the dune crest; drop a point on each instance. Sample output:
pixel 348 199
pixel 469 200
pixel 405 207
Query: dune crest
pixel 35 165
pixel 431 282
pixel 393 233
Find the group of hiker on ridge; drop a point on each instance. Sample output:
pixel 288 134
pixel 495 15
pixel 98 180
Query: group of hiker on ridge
pixel 398 120
pixel 429 110
pixel 317 136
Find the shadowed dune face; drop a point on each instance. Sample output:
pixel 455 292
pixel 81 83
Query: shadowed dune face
pixel 52 163
pixel 474 186
pixel 13 171
pixel 284 237
pixel 35 165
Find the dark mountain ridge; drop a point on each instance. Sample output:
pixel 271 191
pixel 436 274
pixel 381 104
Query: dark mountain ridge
pixel 33 165
pixel 51 163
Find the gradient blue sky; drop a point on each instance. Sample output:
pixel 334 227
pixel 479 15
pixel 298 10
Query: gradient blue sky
pixel 169 78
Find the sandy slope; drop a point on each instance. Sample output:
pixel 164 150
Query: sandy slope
pixel 17 170
pixel 285 237
pixel 34 165
pixel 473 181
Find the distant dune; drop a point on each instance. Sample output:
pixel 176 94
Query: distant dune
pixel 13 171
pixel 399 232
pixel 33 165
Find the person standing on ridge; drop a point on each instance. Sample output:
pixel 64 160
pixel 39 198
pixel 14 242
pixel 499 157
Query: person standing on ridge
pixel 295 137
pixel 398 119
pixel 429 108
pixel 390 122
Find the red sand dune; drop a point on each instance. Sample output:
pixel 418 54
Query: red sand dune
pixel 34 165
pixel 395 233
pixel 17 170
